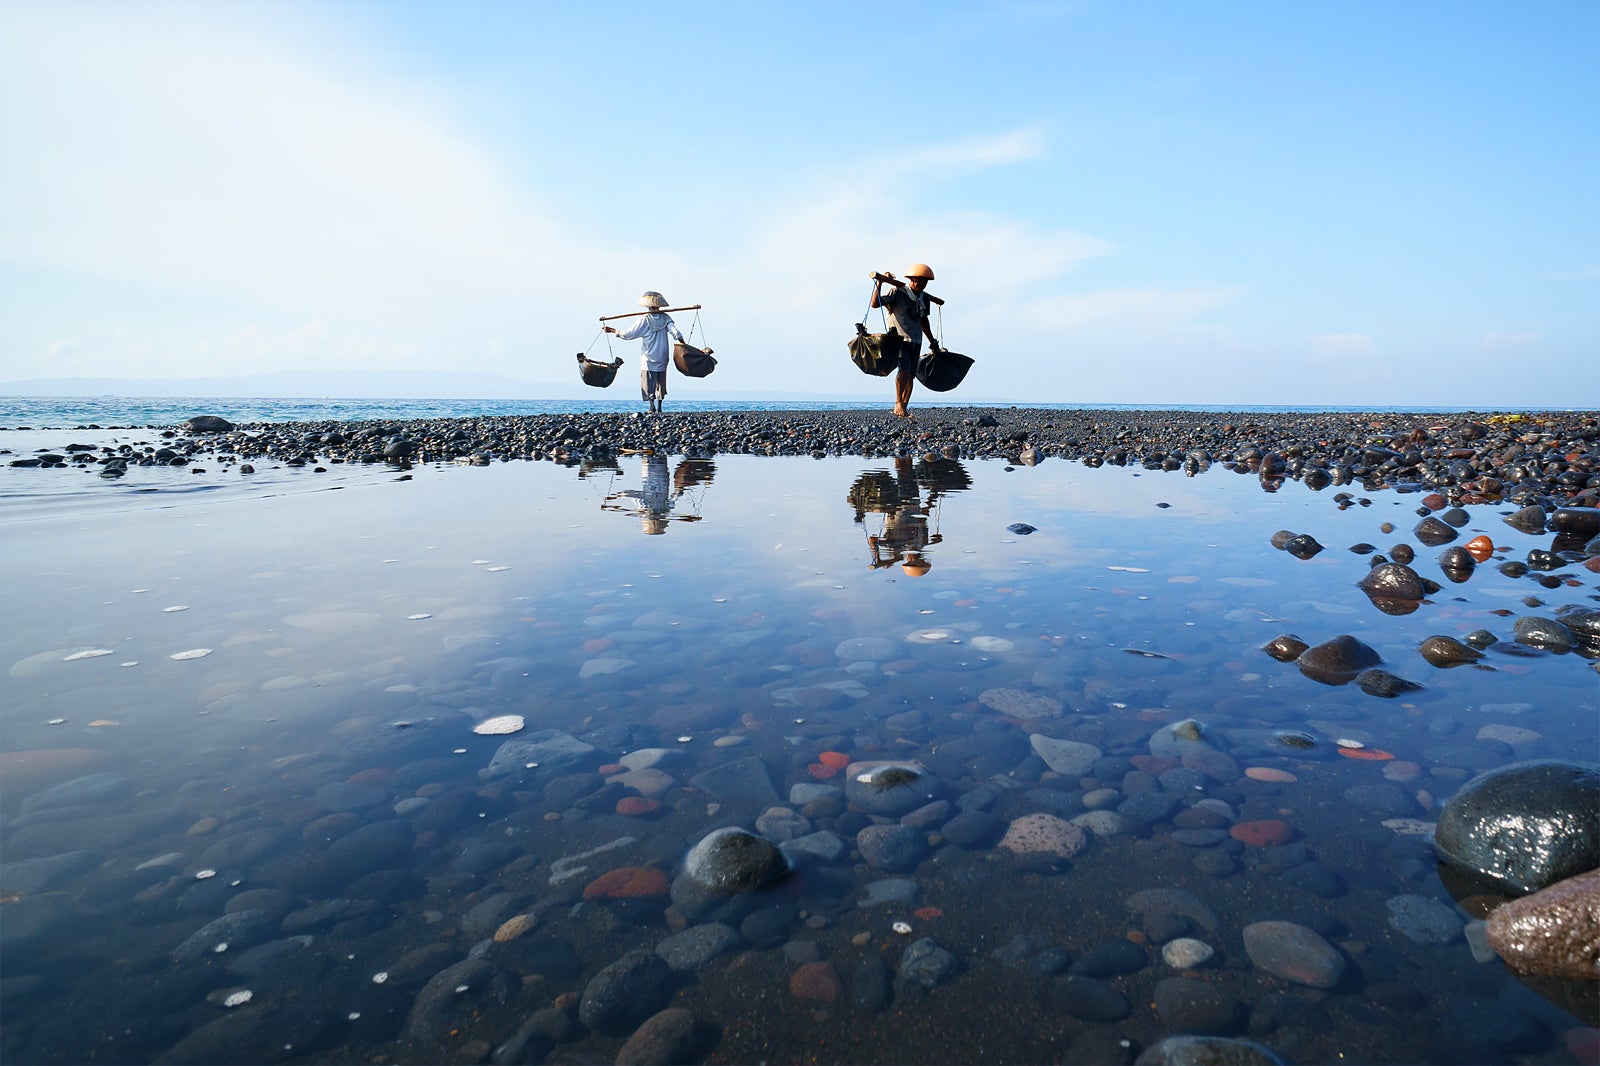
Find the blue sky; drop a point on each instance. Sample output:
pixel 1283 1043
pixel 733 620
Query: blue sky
pixel 1133 202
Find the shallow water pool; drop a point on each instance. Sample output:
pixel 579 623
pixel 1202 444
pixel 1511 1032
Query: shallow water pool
pixel 247 816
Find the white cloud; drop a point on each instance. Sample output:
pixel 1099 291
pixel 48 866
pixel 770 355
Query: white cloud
pixel 1494 341
pixel 293 212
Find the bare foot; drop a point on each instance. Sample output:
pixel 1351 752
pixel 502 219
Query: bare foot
pixel 900 411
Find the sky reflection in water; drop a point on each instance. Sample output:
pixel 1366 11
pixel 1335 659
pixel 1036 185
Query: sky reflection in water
pixel 707 606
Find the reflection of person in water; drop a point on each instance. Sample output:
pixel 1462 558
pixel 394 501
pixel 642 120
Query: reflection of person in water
pixel 658 494
pixel 906 535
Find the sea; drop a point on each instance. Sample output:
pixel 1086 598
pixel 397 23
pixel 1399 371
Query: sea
pixel 442 763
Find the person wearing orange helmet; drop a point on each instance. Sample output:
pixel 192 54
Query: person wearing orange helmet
pixel 907 309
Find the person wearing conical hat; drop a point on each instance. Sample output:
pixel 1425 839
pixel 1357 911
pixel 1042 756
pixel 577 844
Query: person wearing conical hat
pixel 908 314
pixel 653 330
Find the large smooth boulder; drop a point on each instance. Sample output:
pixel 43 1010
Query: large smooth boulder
pixel 1553 933
pixel 1524 826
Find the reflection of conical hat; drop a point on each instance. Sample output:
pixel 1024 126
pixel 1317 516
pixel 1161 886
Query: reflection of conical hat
pixel 652 300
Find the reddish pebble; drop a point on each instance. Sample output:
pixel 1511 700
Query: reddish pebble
pixel 1402 772
pixel 836 759
pixel 630 882
pixel 821 771
pixel 637 806
pixel 1369 754
pixel 1153 764
pixel 816 980
pixel 1480 548
pixel 1264 834
pixel 928 914
pixel 1269 773
pixel 610 768
pixel 1584 1043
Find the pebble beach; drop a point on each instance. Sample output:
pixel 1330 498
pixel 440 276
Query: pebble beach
pixel 1472 457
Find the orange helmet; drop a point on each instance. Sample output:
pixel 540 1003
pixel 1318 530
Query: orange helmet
pixel 920 270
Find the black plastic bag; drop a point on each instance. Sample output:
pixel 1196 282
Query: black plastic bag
pixel 942 370
pixel 877 354
pixel 691 361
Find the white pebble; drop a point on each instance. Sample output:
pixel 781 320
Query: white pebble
pixel 202 875
pixel 239 999
pixel 193 653
pixel 903 928
pixel 1185 953
pixel 380 977
pixel 92 653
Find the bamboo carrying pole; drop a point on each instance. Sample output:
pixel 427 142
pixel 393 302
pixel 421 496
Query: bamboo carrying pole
pixel 897 283
pixel 663 310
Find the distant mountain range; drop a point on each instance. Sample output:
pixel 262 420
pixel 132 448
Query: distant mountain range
pixel 354 384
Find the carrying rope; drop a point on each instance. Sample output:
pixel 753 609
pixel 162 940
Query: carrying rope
pixel 597 336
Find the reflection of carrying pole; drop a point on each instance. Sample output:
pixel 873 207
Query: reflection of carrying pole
pixel 890 279
pixel 663 310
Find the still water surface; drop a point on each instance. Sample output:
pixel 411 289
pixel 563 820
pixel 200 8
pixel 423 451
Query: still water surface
pixel 240 674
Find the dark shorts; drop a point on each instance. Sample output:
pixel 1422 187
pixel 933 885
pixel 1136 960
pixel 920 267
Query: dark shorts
pixel 909 354
pixel 652 384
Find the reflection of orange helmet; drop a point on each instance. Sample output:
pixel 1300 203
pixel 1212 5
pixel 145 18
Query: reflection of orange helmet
pixel 919 270
pixel 915 565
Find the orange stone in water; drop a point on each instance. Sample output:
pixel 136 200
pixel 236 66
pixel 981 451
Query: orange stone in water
pixel 1269 773
pixel 1369 754
pixel 836 759
pixel 822 771
pixel 1481 548
pixel 1264 834
pixel 928 914
pixel 630 882
pixel 637 806
pixel 816 980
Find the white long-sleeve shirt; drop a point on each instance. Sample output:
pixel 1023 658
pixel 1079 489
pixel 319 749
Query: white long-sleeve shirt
pixel 654 328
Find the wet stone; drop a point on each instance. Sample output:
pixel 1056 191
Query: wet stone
pixel 1424 920
pixel 1111 958
pixel 1191 1006
pixel 1089 999
pixel 1525 825
pixel 1545 633
pixel 663 1038
pixel 895 848
pixel 1294 952
pixel 697 945
pixel 928 963
pixel 890 788
pixel 1554 932
pixel 622 995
